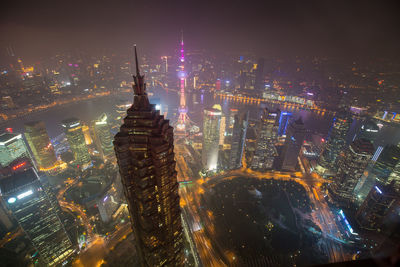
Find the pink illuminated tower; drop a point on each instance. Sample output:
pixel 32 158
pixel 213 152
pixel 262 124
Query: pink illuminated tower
pixel 183 117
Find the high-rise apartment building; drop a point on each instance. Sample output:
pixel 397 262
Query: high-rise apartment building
pixel 351 165
pixel 39 142
pixel 238 140
pixel 12 147
pixel 211 127
pixel 102 137
pixel 76 140
pixel 33 209
pixel 335 143
pixel 294 140
pixel 265 153
pixel 145 152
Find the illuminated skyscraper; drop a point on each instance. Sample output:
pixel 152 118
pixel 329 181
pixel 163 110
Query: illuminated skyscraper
pixel 12 147
pixel 238 140
pixel 39 142
pixel 86 134
pixel 335 143
pixel 183 117
pixel 266 152
pixel 145 153
pixel 284 122
pixel 211 126
pixel 103 137
pixel 76 140
pixel 222 130
pixel 28 202
pixel 294 140
pixel 351 165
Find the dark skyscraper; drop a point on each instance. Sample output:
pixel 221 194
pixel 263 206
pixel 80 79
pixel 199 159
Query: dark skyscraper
pixel 238 140
pixel 145 153
pixel 335 143
pixel 36 213
pixel 351 165
pixel 380 171
pixel 294 140
pixel 381 202
pixel 369 130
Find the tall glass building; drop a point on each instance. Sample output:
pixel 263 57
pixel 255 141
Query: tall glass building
pixel 351 166
pixel 211 126
pixel 102 137
pixel 76 140
pixel 238 140
pixel 380 171
pixel 33 209
pixel 39 142
pixel 145 153
pixel 336 142
pixel 265 153
pixel 12 147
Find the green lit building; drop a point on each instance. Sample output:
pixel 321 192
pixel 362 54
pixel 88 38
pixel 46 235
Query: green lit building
pixel 41 147
pixel 12 147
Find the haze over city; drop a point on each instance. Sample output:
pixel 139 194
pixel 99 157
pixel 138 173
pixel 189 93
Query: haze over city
pixel 199 133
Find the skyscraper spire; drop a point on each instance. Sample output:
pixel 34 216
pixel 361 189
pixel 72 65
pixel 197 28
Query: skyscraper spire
pixel 139 88
pixel 137 64
pixel 140 101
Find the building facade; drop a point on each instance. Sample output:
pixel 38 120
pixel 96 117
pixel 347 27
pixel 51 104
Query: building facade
pixel 102 137
pixel 380 171
pixel 12 147
pixel 293 142
pixel 37 215
pixel 375 211
pixel 265 153
pixel 351 165
pixel 39 142
pixel 335 143
pixel 76 140
pixel 211 127
pixel 238 140
pixel 145 154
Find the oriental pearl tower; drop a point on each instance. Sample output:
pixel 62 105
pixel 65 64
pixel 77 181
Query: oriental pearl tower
pixel 183 119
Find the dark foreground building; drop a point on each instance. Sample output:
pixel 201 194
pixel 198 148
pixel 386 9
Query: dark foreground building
pixel 145 153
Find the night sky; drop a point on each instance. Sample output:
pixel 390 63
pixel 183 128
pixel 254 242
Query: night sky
pixel 279 27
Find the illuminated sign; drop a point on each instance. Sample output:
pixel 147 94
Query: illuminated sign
pixel 11 200
pixel 346 222
pixel 378 190
pixel 75 124
pixel 25 194
pixel 19 166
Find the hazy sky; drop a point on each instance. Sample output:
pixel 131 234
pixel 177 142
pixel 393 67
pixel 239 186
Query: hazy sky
pixel 264 27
